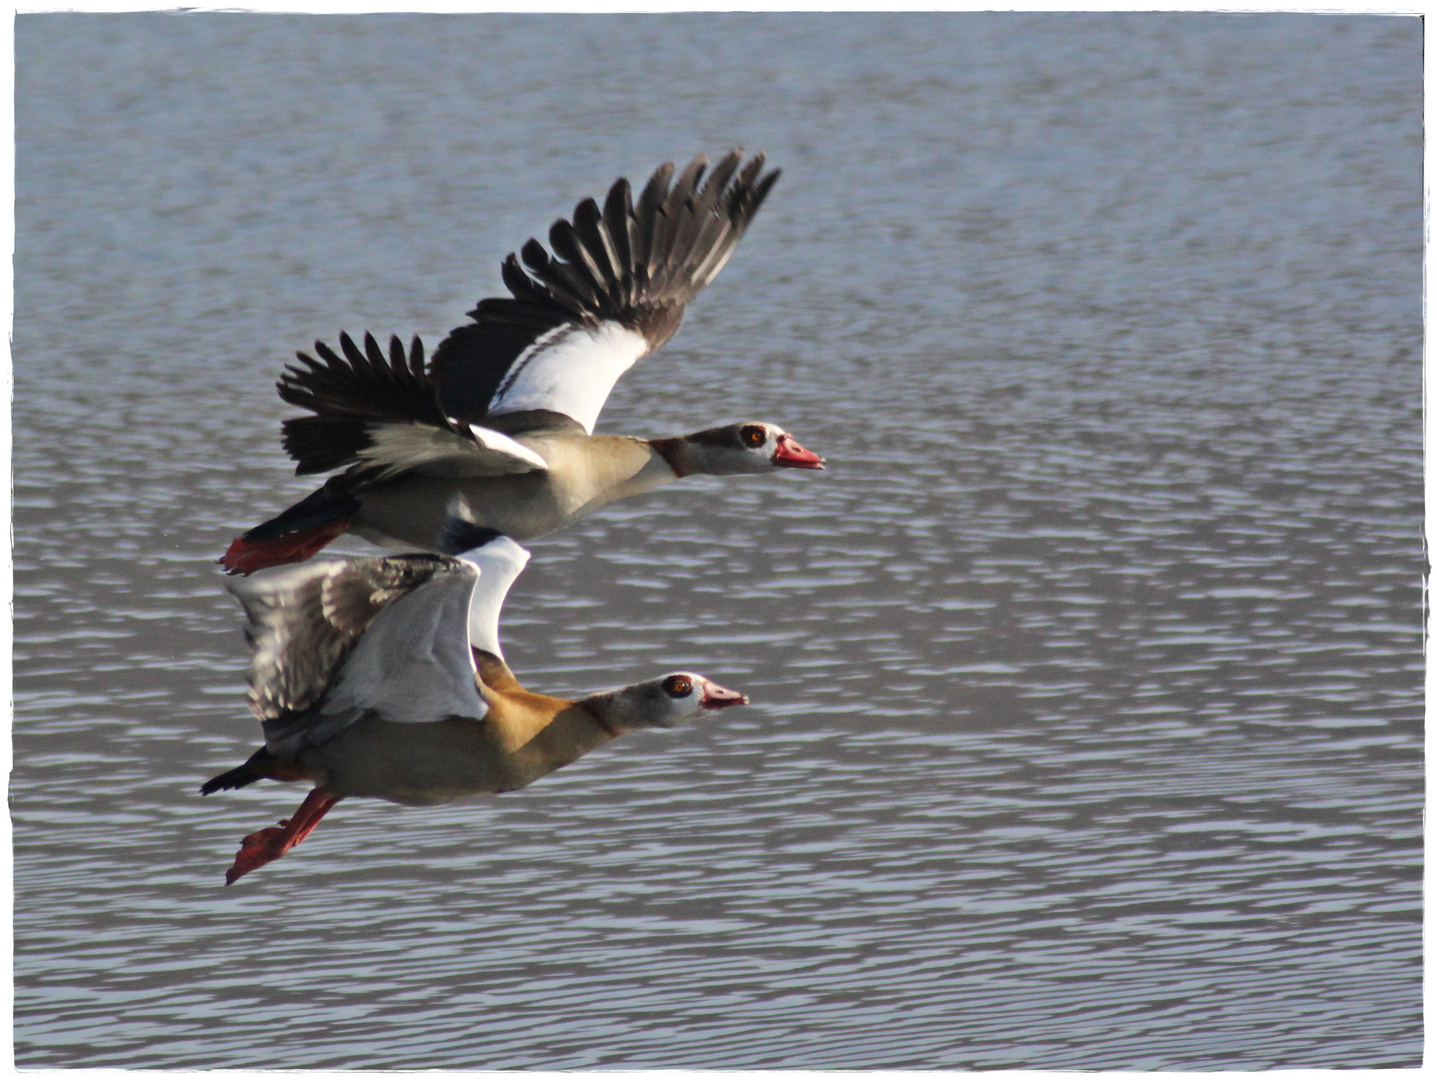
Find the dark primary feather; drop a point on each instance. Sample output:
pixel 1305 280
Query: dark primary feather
pixel 347 393
pixel 638 264
pixel 240 776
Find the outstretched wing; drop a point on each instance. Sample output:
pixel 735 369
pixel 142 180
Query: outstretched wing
pixel 307 624
pixel 616 291
pixel 378 415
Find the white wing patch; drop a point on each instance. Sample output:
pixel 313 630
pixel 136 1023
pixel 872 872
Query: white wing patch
pixel 570 373
pixel 500 443
pixel 499 562
pixel 413 663
pixel 436 452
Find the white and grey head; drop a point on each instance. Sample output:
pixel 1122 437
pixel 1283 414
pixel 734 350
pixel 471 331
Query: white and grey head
pixel 668 702
pixel 749 447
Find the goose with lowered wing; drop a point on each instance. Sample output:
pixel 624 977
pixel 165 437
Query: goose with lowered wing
pixel 384 678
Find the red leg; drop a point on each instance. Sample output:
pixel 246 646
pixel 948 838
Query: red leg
pixel 269 844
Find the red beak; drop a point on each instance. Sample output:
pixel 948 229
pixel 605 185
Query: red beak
pixel 790 454
pixel 716 697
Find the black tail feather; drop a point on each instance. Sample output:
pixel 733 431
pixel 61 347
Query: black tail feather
pixel 241 776
pixel 318 508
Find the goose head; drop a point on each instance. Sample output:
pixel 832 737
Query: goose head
pixel 749 447
pixel 667 702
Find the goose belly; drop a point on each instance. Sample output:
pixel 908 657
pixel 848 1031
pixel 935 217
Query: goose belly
pixel 453 760
pixel 586 473
pixel 411 511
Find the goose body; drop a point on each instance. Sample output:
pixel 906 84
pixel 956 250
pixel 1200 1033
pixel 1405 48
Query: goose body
pixel 384 678
pixel 504 413
pixel 524 737
pixel 585 472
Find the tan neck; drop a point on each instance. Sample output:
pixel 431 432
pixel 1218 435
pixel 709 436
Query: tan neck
pixel 537 732
pixel 493 672
pixel 540 734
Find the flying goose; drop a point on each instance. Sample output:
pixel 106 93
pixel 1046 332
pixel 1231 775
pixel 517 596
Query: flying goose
pixel 383 677
pixel 504 413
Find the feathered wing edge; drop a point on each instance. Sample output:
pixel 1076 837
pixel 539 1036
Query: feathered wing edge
pixel 350 393
pixel 303 623
pixel 629 261
pixel 413 663
pixel 379 415
pixel 637 264
pixel 499 562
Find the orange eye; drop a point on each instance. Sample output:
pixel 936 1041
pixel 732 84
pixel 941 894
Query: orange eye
pixel 753 435
pixel 677 686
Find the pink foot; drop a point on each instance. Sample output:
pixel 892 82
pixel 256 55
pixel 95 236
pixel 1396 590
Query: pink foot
pixel 269 844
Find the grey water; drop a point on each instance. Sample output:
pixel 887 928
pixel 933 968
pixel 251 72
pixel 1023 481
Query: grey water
pixel 1087 682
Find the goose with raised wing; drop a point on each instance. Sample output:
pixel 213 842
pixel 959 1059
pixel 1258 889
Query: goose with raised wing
pixel 384 677
pixel 504 413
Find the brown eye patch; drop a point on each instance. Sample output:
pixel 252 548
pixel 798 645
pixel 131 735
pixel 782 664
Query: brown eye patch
pixel 753 435
pixel 677 686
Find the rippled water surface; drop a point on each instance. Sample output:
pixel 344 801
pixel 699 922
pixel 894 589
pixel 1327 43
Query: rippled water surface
pixel 1087 724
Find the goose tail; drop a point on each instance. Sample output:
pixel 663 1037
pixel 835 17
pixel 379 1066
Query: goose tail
pixel 301 531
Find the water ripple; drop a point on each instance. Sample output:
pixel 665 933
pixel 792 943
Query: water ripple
pixel 1087 723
